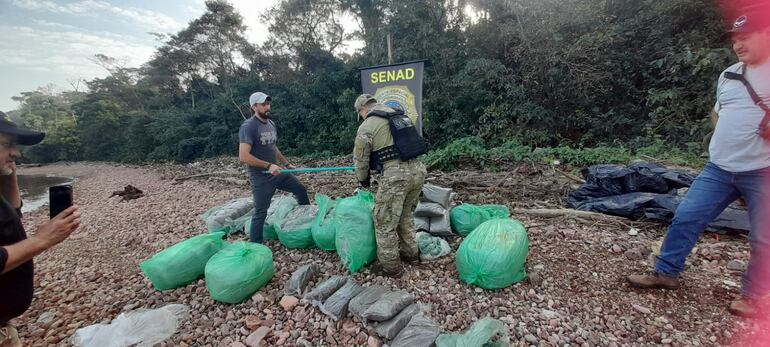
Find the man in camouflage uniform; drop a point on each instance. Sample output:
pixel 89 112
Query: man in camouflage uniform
pixel 400 183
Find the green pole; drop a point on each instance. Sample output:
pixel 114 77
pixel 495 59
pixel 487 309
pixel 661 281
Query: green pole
pixel 317 169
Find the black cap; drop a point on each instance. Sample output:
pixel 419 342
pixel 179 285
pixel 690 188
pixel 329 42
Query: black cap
pixel 751 22
pixel 23 136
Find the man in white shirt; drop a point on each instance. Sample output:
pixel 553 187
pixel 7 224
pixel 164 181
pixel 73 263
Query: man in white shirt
pixel 739 164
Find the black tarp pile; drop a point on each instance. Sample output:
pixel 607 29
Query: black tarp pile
pixel 644 191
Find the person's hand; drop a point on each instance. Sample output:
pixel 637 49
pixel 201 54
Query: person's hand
pixel 274 170
pixel 58 228
pixel 289 166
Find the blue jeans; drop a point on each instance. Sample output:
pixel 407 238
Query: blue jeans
pixel 711 192
pixel 263 187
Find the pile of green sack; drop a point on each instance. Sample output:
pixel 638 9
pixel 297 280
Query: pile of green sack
pixel 493 254
pixel 467 217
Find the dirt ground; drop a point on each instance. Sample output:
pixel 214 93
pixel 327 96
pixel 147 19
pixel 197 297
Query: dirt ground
pixel 576 296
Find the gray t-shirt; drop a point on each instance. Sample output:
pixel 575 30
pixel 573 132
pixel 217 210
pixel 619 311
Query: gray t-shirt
pixel 262 137
pixel 736 145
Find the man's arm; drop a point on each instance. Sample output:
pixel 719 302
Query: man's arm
pixel 361 154
pixel 281 158
pixel 48 235
pixel 244 155
pixel 714 118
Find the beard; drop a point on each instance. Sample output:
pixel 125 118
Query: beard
pixel 266 115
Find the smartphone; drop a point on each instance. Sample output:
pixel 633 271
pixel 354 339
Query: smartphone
pixel 59 199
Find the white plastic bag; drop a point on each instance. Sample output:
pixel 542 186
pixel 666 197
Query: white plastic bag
pixel 143 328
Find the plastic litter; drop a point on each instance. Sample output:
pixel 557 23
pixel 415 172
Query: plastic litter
pixel 466 217
pixel 355 240
pixel 644 191
pixel 432 247
pixel 487 332
pixel 300 278
pixel 320 293
pixel 336 306
pixel 142 328
pixel 493 255
pixel 422 223
pixel 323 230
pixel 429 209
pixel 388 306
pixel 228 214
pixel 390 328
pixel 238 271
pixel 279 208
pixel 366 299
pixel 433 193
pixel 182 263
pixel 440 226
pixel 294 230
pixel 420 332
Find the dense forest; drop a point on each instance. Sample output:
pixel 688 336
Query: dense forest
pixel 537 74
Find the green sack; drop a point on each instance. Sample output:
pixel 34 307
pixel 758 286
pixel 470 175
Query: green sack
pixel 279 208
pixel 354 224
pixel 493 255
pixel 487 332
pixel 466 217
pixel 294 229
pixel 323 229
pixel 238 271
pixel 182 263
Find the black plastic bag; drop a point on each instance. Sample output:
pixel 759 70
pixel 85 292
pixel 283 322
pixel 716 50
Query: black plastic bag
pixel 420 332
pixel 390 328
pixel 366 299
pixel 336 306
pixel 320 293
pixel 388 306
pixel 300 278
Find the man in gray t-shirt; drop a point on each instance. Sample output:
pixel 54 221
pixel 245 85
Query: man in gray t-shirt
pixel 257 149
pixel 739 167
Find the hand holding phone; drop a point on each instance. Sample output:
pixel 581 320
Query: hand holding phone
pixel 60 198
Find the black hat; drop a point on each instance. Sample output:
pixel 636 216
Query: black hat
pixel 24 137
pixel 750 22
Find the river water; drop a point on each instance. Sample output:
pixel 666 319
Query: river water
pixel 34 189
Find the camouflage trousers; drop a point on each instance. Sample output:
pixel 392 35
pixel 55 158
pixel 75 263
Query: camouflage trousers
pixel 399 189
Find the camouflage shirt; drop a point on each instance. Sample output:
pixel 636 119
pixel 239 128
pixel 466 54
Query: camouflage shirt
pixel 373 135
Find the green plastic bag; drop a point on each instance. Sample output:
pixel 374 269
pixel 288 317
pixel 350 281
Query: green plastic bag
pixel 294 230
pixel 238 271
pixel 466 217
pixel 354 224
pixel 182 263
pixel 323 229
pixel 487 332
pixel 493 255
pixel 279 208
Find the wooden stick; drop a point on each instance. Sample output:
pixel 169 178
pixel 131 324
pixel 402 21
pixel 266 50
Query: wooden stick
pixel 572 177
pixel 563 212
pixel 180 179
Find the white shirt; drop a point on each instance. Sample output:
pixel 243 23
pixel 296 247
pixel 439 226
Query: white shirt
pixel 736 145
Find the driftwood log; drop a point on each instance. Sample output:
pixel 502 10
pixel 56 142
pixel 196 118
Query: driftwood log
pixel 128 193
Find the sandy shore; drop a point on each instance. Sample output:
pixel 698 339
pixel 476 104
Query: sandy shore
pixel 579 299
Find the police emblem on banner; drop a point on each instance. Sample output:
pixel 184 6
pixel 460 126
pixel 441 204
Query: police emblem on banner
pixel 398 86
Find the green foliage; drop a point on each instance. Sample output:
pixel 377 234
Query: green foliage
pixel 471 151
pixel 580 81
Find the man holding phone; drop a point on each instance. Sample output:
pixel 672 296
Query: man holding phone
pixel 16 249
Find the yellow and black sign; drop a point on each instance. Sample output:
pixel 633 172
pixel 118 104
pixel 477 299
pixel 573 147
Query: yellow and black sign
pixel 398 86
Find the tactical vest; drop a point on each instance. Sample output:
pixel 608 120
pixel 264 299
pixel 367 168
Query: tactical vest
pixel 407 143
